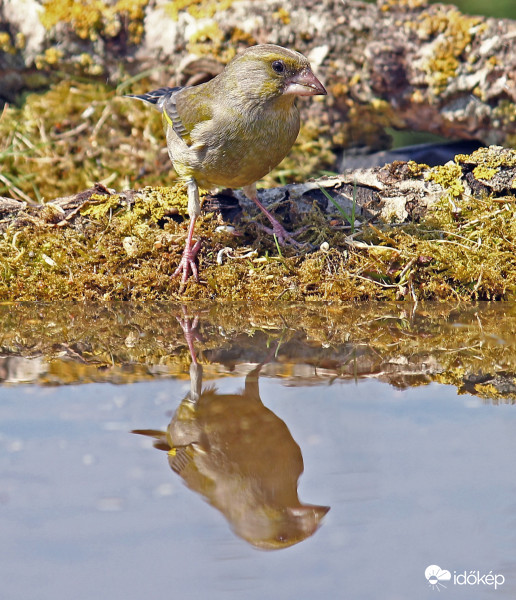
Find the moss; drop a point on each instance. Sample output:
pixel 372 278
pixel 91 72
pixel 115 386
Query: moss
pixel 87 133
pixel 99 205
pixel 127 250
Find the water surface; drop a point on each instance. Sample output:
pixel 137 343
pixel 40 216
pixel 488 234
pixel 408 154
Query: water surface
pixel 408 441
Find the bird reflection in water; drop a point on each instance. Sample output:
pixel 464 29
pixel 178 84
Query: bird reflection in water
pixel 241 458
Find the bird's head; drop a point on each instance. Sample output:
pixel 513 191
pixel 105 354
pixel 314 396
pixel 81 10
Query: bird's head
pixel 265 72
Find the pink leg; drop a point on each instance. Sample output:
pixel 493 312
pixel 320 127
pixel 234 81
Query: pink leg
pixel 187 264
pixel 282 235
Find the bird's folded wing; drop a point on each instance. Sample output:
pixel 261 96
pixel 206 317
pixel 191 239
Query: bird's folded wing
pixel 185 109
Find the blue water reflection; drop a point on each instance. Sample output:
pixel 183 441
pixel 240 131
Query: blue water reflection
pixel 414 478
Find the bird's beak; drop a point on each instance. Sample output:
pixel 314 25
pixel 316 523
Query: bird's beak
pixel 304 83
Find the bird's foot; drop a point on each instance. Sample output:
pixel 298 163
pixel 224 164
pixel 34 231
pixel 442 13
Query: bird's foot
pixel 283 236
pixel 188 264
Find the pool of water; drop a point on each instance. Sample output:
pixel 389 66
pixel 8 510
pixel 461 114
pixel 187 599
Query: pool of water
pixel 270 478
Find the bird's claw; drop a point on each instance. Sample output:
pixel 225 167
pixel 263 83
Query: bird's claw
pixel 283 236
pixel 188 264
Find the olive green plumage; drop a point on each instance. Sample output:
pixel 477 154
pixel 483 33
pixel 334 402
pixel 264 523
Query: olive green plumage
pixel 234 129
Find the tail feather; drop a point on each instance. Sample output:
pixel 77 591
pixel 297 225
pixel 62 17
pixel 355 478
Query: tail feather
pixel 156 97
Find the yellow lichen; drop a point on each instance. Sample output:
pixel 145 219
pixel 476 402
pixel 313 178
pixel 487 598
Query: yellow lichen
pixel 492 156
pixel 483 172
pixel 5 43
pixel 197 8
pixel 386 5
pixel 282 15
pixel 20 40
pixel 449 32
pixel 210 31
pixel 50 58
pixel 448 176
pixel 417 169
pixel 90 19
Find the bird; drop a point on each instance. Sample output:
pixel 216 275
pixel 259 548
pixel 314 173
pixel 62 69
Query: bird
pixel 232 130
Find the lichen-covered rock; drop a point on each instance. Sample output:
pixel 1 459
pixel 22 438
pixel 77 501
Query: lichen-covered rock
pixel 399 63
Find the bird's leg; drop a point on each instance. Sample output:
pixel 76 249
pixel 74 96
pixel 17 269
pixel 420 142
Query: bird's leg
pixel 187 263
pixel 282 235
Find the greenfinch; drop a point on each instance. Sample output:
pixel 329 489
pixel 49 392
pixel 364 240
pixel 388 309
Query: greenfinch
pixel 234 129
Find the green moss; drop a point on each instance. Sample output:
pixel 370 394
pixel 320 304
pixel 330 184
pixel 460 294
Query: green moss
pixel 64 140
pixel 127 250
pixel 98 206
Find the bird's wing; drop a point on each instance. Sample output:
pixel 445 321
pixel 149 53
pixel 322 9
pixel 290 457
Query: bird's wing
pixel 164 99
pixel 182 107
pixel 187 109
pixel 171 114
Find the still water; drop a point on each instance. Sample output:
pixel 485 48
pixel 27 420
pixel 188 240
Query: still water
pixel 257 453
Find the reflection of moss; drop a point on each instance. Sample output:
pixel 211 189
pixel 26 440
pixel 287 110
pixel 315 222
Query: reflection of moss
pixel 469 346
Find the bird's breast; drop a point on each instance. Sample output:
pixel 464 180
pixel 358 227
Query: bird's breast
pixel 235 150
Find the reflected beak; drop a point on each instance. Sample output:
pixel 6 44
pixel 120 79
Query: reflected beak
pixel 304 83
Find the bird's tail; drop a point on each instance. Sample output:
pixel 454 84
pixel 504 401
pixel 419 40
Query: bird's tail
pixel 157 97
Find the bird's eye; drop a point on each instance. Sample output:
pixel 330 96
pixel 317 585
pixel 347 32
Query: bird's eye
pixel 278 66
